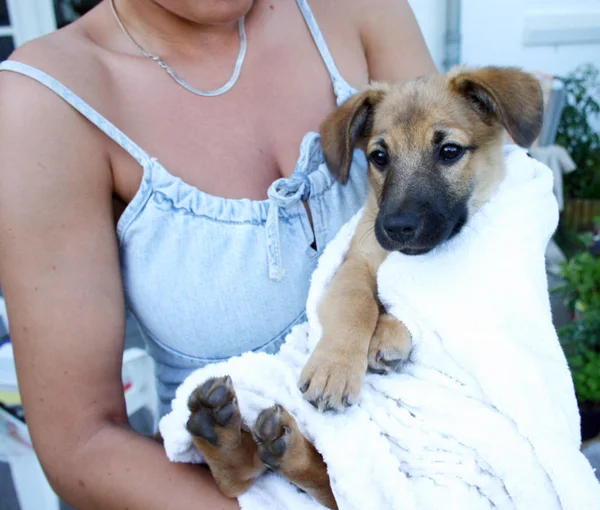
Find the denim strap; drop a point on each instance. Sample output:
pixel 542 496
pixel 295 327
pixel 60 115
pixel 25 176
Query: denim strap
pixel 80 105
pixel 340 87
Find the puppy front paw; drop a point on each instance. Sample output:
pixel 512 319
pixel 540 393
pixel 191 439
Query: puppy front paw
pixel 390 346
pixel 332 380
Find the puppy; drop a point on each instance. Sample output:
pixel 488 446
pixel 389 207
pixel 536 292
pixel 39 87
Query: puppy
pixel 434 147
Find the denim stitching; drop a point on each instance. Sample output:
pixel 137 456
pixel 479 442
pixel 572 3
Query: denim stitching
pixel 184 356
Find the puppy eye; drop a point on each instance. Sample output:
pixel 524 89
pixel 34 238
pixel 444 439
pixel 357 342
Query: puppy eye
pixel 450 153
pixel 379 158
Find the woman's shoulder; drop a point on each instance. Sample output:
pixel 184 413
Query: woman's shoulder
pixel 360 13
pixel 35 120
pixel 69 55
pixel 390 37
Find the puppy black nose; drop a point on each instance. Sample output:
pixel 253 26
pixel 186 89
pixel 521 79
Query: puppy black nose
pixel 401 227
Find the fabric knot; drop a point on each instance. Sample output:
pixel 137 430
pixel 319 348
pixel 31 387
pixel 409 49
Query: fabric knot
pixel 288 192
pixel 341 91
pixel 283 193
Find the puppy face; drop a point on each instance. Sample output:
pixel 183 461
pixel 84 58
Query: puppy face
pixel 434 147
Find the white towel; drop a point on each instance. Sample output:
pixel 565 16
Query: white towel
pixel 483 415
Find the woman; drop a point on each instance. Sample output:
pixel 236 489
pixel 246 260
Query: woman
pixel 210 273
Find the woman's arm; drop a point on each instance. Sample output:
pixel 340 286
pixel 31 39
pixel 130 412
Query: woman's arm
pixel 392 41
pixel 59 268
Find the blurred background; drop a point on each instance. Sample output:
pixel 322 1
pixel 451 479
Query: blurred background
pixel 553 36
pixel 559 41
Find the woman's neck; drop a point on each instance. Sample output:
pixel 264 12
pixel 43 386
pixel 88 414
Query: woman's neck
pixel 165 31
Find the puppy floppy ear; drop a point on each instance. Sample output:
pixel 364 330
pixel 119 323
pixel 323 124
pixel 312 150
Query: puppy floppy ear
pixel 346 128
pixel 508 94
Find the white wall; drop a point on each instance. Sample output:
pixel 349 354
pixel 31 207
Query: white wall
pixel 31 19
pixel 493 33
pixel 431 16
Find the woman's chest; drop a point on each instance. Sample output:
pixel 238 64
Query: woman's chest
pixel 237 144
pixel 234 147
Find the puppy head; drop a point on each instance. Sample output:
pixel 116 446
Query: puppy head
pixel 434 147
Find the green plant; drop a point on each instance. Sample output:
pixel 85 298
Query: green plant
pixel 585 368
pixel 568 240
pixel 581 285
pixel 580 338
pixel 577 135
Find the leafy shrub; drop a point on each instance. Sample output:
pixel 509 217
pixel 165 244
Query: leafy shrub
pixel 577 134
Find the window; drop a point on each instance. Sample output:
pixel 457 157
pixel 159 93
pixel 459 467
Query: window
pixel 7 43
pixel 69 10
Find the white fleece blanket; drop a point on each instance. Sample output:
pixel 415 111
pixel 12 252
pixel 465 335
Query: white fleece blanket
pixel 482 416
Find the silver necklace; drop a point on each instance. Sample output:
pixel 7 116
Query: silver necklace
pixel 199 92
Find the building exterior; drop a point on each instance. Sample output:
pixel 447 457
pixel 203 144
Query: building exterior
pixel 552 36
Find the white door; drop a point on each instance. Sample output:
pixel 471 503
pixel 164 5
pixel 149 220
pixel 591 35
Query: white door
pixel 23 20
pixel 26 20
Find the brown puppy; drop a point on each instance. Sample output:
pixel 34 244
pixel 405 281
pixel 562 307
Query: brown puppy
pixel 435 155
pixel 434 147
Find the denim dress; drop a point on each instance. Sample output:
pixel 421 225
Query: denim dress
pixel 208 278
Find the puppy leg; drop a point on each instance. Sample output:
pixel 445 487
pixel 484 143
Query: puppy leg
pixel 348 312
pixel 333 376
pixel 390 346
pixel 216 427
pixel 283 448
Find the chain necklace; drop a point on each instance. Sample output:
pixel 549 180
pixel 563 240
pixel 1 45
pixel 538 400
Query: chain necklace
pixel 199 92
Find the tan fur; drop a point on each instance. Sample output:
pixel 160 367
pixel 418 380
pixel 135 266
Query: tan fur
pixel 238 454
pixel 468 108
pixel 233 468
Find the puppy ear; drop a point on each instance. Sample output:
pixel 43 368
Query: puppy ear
pixel 346 128
pixel 508 94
